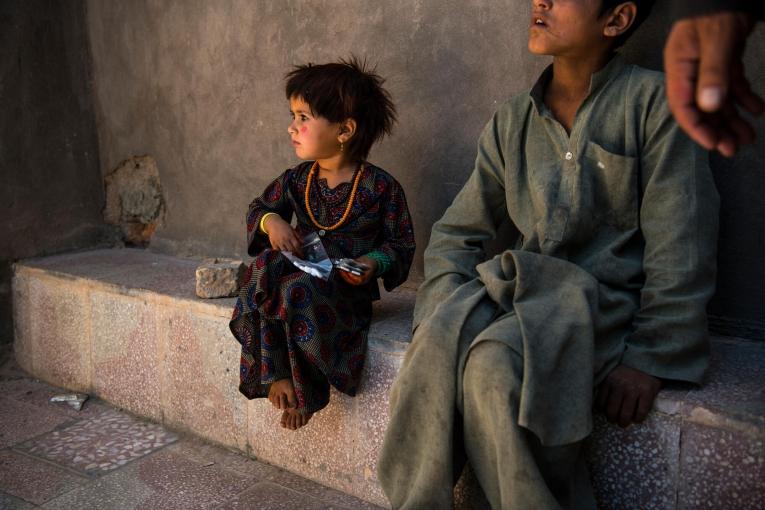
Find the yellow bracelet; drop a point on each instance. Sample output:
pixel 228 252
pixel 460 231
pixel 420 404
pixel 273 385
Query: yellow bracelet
pixel 263 222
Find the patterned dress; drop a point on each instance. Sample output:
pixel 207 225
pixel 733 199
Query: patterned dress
pixel 292 324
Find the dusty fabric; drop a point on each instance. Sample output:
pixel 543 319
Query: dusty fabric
pixel 291 324
pixel 510 462
pixel 611 259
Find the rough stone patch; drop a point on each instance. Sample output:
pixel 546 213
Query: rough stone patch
pixel 134 200
pixel 218 278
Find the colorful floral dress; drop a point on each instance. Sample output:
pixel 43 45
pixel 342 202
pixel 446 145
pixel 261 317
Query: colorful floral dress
pixel 292 324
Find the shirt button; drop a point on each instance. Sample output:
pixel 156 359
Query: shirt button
pixel 569 156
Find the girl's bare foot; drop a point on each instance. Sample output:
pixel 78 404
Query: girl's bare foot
pixel 293 420
pixel 282 395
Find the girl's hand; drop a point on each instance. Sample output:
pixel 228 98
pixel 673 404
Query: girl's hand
pixel 364 277
pixel 282 236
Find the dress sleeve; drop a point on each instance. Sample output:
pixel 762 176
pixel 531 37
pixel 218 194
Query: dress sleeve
pixel 679 222
pixel 398 244
pixel 457 241
pixel 274 199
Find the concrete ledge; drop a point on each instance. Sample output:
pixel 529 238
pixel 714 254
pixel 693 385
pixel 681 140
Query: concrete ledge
pixel 127 326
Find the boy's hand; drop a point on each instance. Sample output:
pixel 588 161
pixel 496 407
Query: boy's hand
pixel 282 236
pixel 363 278
pixel 626 395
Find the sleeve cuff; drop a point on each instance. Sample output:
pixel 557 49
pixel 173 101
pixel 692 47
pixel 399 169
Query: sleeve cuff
pixel 383 261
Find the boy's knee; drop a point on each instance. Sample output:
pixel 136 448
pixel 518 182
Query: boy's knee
pixel 492 367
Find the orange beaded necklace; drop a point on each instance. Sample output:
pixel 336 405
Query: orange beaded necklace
pixel 323 229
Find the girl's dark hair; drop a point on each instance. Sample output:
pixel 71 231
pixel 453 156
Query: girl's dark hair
pixel 343 90
pixel 643 10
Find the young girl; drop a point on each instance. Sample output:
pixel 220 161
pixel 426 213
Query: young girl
pixel 299 333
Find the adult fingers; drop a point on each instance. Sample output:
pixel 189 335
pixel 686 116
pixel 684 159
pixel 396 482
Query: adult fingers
pixel 614 404
pixel 718 52
pixel 602 396
pixel 644 406
pixel 681 55
pixel 627 411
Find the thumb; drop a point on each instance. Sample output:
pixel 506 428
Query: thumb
pixel 722 38
pixel 291 400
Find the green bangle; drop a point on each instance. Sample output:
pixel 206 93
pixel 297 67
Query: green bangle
pixel 383 261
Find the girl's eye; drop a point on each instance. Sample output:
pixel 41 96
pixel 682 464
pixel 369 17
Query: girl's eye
pixel 303 118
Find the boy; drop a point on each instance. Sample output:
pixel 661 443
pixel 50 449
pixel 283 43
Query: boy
pixel 615 218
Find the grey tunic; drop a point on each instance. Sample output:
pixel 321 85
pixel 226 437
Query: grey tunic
pixel 612 260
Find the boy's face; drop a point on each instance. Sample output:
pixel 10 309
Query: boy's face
pixel 566 28
pixel 312 137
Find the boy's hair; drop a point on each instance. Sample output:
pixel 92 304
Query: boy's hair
pixel 643 10
pixel 347 89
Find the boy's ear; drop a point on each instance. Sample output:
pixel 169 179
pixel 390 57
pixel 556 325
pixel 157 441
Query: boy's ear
pixel 347 130
pixel 620 20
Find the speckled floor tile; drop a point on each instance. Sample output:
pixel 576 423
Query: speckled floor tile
pixel 721 470
pixel 270 496
pixel 635 467
pixel 8 502
pixel 321 492
pixel 33 480
pixel 99 445
pixel 162 481
pixel 126 368
pixel 38 394
pixel 201 378
pixel 256 471
pixel 20 421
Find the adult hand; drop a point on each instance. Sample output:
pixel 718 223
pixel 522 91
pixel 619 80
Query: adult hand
pixel 626 395
pixel 705 80
pixel 282 236
pixel 364 277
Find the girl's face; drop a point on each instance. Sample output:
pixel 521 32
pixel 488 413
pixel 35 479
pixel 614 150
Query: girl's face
pixel 312 137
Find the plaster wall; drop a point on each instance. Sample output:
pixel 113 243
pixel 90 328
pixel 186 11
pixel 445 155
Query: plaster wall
pixel 199 86
pixel 50 184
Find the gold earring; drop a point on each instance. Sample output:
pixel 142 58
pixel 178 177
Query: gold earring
pixel 341 146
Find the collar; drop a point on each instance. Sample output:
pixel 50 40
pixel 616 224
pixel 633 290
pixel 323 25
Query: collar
pixel 598 79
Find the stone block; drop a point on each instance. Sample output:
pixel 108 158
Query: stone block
pixel 59 332
pixel 636 467
pixel 219 278
pixel 201 377
pixel 23 341
pixel 721 470
pixel 373 403
pixel 126 353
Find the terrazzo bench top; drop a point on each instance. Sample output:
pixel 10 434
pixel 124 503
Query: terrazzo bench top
pixel 133 271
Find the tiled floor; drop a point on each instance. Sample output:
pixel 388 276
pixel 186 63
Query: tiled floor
pixel 52 456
